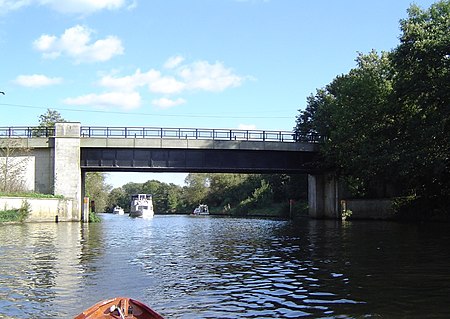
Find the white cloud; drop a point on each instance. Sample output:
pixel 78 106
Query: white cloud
pixel 167 85
pixel 202 75
pixel 173 62
pixel 84 6
pixel 122 91
pixel 11 5
pixel 76 43
pixel 130 82
pixel 124 100
pixel 165 103
pixel 152 79
pixel 36 80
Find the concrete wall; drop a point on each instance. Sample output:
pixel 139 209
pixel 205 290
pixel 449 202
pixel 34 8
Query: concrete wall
pixel 67 171
pixel 36 164
pixel 369 208
pixel 323 196
pixel 44 170
pixel 42 209
pixel 21 169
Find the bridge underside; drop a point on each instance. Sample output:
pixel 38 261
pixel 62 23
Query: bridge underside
pixel 196 160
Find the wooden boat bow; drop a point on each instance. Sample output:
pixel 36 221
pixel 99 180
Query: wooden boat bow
pixel 119 308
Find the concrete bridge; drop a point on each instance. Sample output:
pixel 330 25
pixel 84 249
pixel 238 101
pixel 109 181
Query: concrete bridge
pixel 59 157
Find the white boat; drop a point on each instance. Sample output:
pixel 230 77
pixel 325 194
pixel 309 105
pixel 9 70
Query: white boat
pixel 118 210
pixel 141 206
pixel 202 209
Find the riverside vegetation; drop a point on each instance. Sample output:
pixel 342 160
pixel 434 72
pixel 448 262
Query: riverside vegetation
pixel 387 123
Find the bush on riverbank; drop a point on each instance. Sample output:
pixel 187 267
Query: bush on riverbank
pixel 16 215
pixel 278 210
pixel 421 208
pixel 94 218
pixel 30 195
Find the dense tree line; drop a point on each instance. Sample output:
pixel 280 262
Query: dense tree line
pixel 235 194
pixel 387 121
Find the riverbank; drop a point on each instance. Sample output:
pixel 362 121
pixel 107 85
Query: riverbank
pixel 32 207
pixel 320 267
pixel 273 210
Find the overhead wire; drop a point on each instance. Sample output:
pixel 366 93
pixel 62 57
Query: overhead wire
pixel 150 114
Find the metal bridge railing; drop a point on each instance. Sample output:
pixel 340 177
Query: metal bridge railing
pixel 26 131
pixel 168 133
pixel 199 134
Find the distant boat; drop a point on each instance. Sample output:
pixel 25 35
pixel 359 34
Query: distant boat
pixel 202 209
pixel 141 206
pixel 118 210
pixel 119 308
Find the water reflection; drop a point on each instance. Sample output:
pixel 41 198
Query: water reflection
pixel 188 267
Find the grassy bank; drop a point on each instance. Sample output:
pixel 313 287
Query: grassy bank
pixel 276 210
pixel 22 213
pixel 30 195
pixel 16 215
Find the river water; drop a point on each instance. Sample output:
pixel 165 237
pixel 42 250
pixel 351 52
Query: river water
pixel 211 267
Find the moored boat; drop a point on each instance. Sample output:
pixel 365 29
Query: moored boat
pixel 119 307
pixel 202 209
pixel 141 206
pixel 118 210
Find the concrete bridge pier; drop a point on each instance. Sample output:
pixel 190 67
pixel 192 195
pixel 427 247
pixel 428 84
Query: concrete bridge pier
pixel 323 196
pixel 67 171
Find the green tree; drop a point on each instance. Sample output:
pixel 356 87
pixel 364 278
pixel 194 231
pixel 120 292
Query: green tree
pixel 159 194
pixel 97 190
pixel 261 197
pixel 354 112
pixel 197 188
pixel 49 118
pixel 174 199
pixel 118 197
pixel 226 189
pixel 167 198
pixel 422 93
pixel 387 120
pixel 47 123
pixel 279 184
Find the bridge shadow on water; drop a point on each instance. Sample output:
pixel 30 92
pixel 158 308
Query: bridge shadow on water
pixel 220 267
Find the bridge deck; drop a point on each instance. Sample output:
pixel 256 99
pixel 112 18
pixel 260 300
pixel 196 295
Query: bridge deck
pixel 166 133
pixel 180 149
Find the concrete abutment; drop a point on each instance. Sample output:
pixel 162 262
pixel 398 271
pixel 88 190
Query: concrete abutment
pixel 323 196
pixel 67 171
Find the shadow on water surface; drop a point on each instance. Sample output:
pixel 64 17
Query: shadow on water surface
pixel 188 267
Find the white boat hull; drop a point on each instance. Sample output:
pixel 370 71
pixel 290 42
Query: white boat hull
pixel 142 214
pixel 201 210
pixel 141 206
pixel 118 211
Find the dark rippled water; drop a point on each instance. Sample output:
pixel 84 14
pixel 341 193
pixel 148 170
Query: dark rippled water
pixel 206 267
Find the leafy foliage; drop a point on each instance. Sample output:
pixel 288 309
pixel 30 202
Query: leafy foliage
pixel 387 121
pixel 241 194
pixel 97 190
pixel 16 215
pixel 49 118
pixel 422 89
pixel 13 163
pixel 94 218
pixel 167 198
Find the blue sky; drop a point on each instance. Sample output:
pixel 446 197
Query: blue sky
pixel 182 63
